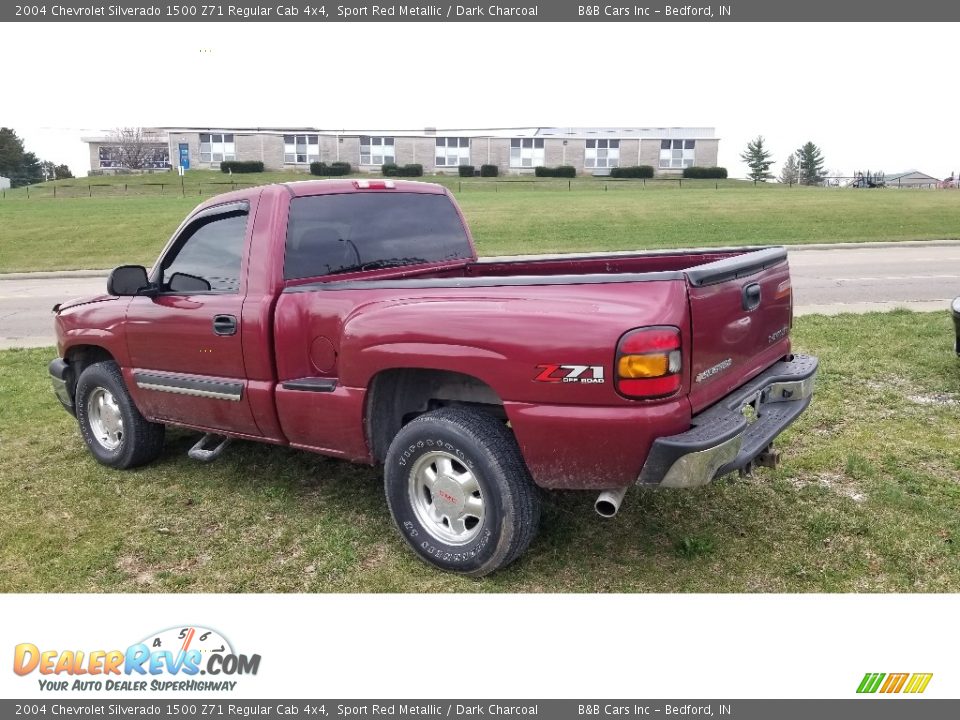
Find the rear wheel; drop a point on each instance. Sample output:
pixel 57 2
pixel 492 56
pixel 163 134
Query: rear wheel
pixel 115 432
pixel 460 493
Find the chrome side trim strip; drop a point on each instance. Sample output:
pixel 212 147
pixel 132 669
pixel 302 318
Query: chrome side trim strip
pixel 215 389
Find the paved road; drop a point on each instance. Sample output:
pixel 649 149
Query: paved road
pixel 865 279
pixel 829 281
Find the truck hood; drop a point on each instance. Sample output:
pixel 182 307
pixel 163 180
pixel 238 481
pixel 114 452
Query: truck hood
pixel 75 302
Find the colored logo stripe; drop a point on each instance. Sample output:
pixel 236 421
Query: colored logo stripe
pixel 918 683
pixel 870 682
pixel 894 682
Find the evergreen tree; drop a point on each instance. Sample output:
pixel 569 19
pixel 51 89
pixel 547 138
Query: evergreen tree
pixel 24 168
pixel 757 158
pixel 31 170
pixel 810 161
pixel 789 173
pixel 11 154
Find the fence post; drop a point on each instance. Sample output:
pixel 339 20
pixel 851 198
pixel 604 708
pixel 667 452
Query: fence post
pixel 568 185
pixel 124 188
pixel 680 181
pixel 459 186
pixel 28 192
pixel 89 190
pixel 54 190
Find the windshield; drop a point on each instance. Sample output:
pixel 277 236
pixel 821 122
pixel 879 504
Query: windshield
pixel 329 234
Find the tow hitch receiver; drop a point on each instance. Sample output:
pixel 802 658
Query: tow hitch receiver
pixel 206 450
pixel 769 458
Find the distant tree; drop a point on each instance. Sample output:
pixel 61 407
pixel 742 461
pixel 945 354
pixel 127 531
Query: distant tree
pixel 789 173
pixel 757 158
pixel 810 161
pixel 31 170
pixel 11 155
pixel 22 167
pixel 134 147
pixel 51 171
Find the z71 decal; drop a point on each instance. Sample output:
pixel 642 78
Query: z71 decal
pixel 590 374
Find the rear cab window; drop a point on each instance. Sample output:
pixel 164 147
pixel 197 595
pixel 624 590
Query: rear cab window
pixel 339 233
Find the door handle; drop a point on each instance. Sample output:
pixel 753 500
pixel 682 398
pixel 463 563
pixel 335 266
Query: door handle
pixel 751 296
pixel 224 325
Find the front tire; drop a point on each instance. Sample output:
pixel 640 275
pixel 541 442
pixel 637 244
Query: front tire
pixel 112 427
pixel 460 493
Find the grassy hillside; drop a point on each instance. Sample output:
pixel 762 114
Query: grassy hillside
pixel 103 222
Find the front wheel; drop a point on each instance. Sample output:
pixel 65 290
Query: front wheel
pixel 460 493
pixel 113 428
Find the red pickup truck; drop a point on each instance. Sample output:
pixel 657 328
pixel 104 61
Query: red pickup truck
pixel 353 318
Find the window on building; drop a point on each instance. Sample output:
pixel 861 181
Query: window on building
pixel 676 153
pixel 217 147
pixel 376 150
pixel 301 148
pixel 526 152
pixel 112 156
pixel 452 151
pixel 602 154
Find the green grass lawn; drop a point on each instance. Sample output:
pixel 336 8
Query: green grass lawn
pixel 865 500
pixel 101 227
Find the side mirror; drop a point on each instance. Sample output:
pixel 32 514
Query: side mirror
pixel 128 280
pixel 186 283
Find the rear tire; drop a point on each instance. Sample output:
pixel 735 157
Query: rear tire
pixel 460 493
pixel 115 432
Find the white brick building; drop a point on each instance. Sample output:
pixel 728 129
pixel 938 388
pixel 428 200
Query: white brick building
pixel 592 151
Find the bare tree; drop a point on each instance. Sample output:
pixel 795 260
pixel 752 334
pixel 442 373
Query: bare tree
pixel 134 145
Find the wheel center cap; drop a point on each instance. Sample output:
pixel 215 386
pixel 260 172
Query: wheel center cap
pixel 448 495
pixel 111 419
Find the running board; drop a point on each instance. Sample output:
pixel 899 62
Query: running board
pixel 201 452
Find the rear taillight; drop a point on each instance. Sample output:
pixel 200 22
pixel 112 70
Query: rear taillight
pixel 648 362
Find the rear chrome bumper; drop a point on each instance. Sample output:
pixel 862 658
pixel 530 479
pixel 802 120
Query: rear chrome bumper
pixel 729 435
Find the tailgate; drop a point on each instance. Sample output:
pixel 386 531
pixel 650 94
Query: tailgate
pixel 741 311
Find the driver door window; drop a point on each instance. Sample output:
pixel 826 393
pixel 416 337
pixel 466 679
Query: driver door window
pixel 209 259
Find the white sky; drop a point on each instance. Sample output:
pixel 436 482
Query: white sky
pixel 872 96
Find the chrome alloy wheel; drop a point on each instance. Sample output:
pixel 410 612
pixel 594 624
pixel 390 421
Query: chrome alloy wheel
pixel 446 497
pixel 106 421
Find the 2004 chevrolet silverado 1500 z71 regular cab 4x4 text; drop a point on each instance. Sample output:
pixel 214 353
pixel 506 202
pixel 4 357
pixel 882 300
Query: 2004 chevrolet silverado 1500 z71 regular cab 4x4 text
pixel 352 318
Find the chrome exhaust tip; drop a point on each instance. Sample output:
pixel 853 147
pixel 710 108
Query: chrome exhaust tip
pixel 608 502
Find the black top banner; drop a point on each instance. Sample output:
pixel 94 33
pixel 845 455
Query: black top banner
pixel 850 11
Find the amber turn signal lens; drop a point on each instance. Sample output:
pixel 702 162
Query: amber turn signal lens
pixel 644 366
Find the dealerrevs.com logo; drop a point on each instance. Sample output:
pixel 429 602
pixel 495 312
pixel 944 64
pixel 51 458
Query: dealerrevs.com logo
pixel 180 659
pixel 892 683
